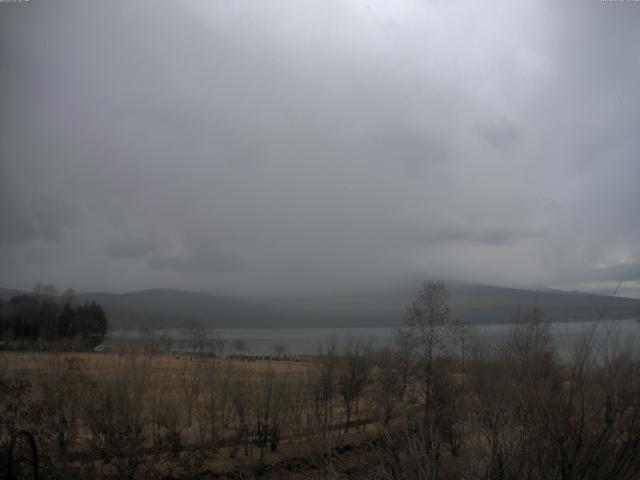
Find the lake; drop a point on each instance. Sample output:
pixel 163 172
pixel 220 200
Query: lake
pixel 308 340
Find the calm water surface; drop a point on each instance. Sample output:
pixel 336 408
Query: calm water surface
pixel 308 340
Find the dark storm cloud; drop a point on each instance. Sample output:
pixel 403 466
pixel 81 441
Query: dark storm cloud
pixel 238 146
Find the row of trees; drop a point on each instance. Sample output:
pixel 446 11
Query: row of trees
pixel 511 411
pixel 43 317
pixel 434 411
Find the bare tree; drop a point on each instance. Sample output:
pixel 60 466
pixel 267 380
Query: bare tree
pixel 271 406
pixel 353 378
pixel 464 336
pixel 215 408
pixel 388 386
pixel 298 402
pixel 197 338
pixel 240 345
pixel 279 349
pixel 209 407
pixel 425 330
pixel 190 380
pixel 115 413
pixel 218 343
pixel 241 396
pixel 424 334
pixel 326 381
pixel 68 295
pixel 531 349
pixel 45 289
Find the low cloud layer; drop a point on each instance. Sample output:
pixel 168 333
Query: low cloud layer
pixel 273 147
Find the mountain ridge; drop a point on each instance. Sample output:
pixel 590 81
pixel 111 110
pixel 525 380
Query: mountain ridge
pixel 470 303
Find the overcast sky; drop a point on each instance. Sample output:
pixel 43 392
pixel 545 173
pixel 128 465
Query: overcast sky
pixel 266 147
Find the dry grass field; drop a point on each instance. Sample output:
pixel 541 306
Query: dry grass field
pixel 144 415
pixel 494 413
pixel 30 364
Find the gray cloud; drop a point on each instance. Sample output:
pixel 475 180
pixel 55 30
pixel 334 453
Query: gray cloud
pixel 238 147
pixel 133 247
pixel 488 236
pixel 29 213
pixel 199 261
pixel 500 133
pixel 625 272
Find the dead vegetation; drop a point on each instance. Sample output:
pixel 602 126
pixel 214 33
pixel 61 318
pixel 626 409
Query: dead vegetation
pixel 433 407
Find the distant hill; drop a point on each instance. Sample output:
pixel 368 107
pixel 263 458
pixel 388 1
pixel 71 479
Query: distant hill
pixel 472 303
pixel 7 293
pixel 489 304
pixel 175 308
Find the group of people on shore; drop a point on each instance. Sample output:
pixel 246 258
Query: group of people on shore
pixel 256 357
pixel 246 357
